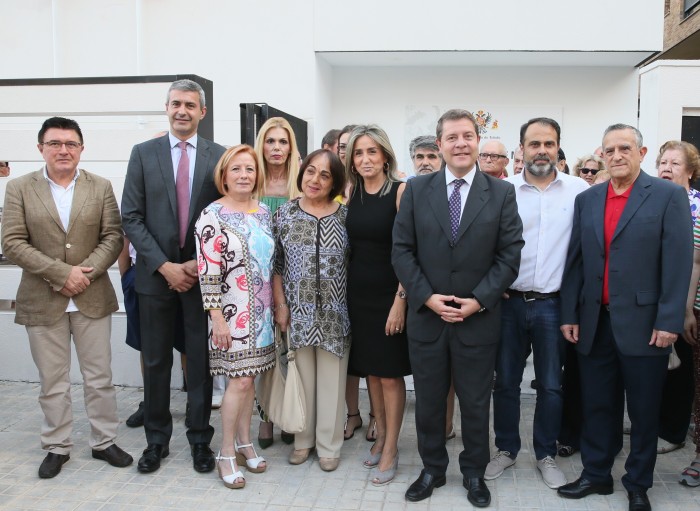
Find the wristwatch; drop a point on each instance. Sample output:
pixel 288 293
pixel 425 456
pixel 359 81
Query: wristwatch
pixel 401 294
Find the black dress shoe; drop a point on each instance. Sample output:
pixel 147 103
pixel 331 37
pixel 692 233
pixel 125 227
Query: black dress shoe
pixel 150 460
pixel 114 455
pixel 202 457
pixel 423 487
pixel 135 420
pixel 287 438
pixel 583 487
pixel 51 466
pixel 639 500
pixel 477 492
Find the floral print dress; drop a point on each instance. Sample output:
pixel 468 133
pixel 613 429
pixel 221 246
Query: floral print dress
pixel 235 256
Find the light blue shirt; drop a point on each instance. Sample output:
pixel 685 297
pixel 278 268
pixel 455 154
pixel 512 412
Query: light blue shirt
pixel 464 190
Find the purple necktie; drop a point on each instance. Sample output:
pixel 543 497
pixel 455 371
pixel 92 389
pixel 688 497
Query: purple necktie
pixel 455 203
pixel 182 187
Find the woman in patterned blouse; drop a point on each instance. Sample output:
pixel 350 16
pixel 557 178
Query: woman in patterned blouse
pixel 235 252
pixel 309 287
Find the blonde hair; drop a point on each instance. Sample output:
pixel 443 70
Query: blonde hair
pixel 582 161
pixel 380 137
pixel 292 163
pixel 225 161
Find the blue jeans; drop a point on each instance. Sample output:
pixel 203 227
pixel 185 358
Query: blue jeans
pixel 523 324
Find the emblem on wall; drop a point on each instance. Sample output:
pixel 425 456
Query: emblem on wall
pixel 485 121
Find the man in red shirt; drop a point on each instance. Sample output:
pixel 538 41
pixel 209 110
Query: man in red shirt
pixel 623 301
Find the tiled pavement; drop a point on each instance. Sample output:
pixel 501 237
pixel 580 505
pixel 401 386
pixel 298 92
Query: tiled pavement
pixel 89 484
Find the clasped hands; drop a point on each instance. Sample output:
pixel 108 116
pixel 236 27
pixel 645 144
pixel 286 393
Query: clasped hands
pixel 442 305
pixel 180 276
pixel 76 282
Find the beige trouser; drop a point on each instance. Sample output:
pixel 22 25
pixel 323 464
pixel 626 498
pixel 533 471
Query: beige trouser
pixel 50 346
pixel 323 379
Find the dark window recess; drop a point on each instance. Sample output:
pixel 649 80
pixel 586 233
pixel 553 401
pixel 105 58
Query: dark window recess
pixel 689 5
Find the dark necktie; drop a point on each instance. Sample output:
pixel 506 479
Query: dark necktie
pixel 455 203
pixel 182 187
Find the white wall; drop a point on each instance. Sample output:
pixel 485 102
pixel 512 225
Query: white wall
pixel 668 90
pixel 589 99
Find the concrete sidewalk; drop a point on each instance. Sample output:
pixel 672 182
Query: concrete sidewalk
pixel 89 484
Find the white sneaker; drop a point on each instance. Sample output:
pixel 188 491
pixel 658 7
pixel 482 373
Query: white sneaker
pixel 500 461
pixel 216 401
pixel 552 475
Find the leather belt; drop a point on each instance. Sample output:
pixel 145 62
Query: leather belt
pixel 529 296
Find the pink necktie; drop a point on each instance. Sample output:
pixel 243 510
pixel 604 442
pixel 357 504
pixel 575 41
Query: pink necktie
pixel 182 187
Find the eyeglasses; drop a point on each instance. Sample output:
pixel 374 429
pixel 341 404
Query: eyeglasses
pixel 55 145
pixel 494 157
pixel 584 170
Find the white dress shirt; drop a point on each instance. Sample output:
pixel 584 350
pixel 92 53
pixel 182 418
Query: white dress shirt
pixel 63 198
pixel 464 190
pixel 547 217
pixel 176 153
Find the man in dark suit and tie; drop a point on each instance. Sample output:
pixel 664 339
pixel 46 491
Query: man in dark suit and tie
pixel 623 303
pixel 169 181
pixel 457 241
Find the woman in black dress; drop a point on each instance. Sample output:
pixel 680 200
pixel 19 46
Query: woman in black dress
pixel 376 300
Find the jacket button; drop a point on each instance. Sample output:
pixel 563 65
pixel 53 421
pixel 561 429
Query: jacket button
pixel 68 245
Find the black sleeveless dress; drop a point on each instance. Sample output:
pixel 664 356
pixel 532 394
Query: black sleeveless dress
pixel 372 286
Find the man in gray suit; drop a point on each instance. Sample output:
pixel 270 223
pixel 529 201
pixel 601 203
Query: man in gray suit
pixel 169 181
pixel 623 305
pixel 457 241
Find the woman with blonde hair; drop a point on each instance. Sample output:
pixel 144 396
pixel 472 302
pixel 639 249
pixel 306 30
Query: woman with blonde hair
pixel 278 154
pixel 587 167
pixel 376 299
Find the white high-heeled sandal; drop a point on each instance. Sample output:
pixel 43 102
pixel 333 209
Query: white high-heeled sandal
pixel 253 464
pixel 230 480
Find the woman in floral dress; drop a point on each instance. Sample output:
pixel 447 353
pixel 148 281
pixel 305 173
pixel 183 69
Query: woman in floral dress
pixel 234 255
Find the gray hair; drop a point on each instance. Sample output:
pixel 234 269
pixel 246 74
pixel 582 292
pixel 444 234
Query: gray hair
pixel 620 126
pixel 187 86
pixel 423 141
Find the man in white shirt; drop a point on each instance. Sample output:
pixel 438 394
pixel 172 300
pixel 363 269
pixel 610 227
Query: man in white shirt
pixel 493 159
pixel 531 313
pixel 62 227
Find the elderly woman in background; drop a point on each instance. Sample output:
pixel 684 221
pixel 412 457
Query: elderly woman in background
pixel 587 167
pixel 376 299
pixel 678 162
pixel 276 148
pixel 235 252
pixel 309 286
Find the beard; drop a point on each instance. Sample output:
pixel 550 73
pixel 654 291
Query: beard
pixel 541 170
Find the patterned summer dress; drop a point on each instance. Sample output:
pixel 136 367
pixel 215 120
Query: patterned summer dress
pixel 234 256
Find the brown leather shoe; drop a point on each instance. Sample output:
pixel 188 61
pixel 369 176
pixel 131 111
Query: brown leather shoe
pixel 52 464
pixel 114 455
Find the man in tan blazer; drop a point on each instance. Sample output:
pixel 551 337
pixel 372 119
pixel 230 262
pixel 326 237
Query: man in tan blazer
pixel 62 226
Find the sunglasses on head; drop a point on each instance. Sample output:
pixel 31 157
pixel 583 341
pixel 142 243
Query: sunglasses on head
pixel 584 170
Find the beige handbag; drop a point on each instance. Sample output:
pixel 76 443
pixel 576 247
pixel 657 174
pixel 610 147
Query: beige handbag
pixel 673 361
pixel 281 394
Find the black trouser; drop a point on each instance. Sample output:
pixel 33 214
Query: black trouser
pixel 677 398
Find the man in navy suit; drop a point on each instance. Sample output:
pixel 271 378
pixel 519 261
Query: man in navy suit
pixel 623 301
pixel 169 181
pixel 457 240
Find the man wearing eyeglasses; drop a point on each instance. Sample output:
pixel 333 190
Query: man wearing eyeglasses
pixel 62 227
pixel 493 159
pixel 530 316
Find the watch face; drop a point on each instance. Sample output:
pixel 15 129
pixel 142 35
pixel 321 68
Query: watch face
pixel 401 294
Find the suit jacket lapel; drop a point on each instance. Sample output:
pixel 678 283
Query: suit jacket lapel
pixel 165 162
pixel 438 202
pixel 201 165
pixel 80 195
pixel 476 199
pixel 597 213
pixel 43 191
pixel 640 192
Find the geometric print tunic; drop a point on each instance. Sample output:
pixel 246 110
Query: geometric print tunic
pixel 312 257
pixel 234 258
